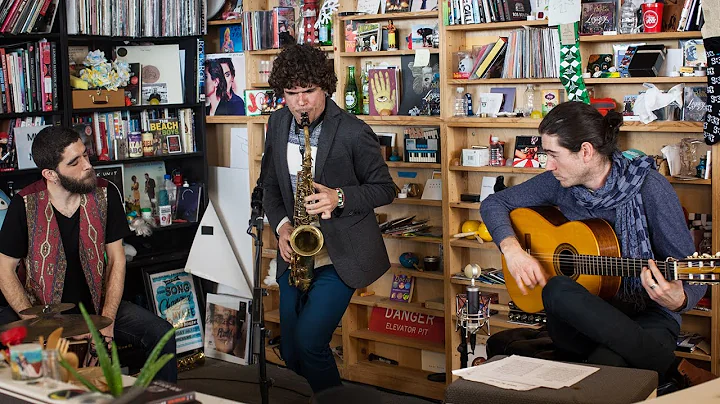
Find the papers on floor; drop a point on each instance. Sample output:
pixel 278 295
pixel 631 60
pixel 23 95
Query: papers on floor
pixel 521 373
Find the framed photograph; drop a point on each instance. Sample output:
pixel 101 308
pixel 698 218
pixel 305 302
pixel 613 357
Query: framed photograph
pixel 227 328
pixel 174 296
pixel 173 144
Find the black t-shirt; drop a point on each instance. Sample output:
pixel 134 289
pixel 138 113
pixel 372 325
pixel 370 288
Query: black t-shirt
pixel 14 242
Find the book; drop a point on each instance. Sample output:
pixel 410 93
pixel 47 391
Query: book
pixel 162 392
pixel 417 81
pixel 114 174
pixel 693 52
pixel 598 17
pixel 402 288
pixel 161 129
pixel 85 130
pixel 369 37
pixel 188 203
pixel 132 89
pixel 283 26
pixel 383 91
pixel 694 101
pixel 231 38
pixel 599 63
pixel 527 152
pixel 508 103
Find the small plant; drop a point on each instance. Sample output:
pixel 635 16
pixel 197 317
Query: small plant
pixel 111 366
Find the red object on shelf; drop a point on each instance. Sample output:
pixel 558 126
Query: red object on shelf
pixel 310 13
pixel 408 324
pixel 603 104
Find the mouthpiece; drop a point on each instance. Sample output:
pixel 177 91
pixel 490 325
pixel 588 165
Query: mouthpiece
pixel 304 119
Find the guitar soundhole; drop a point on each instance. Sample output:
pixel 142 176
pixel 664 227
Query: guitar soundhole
pixel 565 258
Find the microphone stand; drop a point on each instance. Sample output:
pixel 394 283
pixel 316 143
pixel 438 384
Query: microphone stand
pixel 258 320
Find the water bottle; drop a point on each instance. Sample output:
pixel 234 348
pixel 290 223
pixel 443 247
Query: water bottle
pixel 460 102
pixel 171 190
pixel 628 17
pixel 529 100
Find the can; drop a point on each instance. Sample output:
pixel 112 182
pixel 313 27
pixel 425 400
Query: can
pixel 165 215
pixel 135 146
pixel 147 144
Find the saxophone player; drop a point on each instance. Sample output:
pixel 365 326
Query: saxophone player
pixel 347 178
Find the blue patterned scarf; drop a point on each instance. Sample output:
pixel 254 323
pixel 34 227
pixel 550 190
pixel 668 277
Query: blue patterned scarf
pixel 622 192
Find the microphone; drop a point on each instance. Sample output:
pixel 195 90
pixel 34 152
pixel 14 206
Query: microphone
pixel 472 309
pixel 256 200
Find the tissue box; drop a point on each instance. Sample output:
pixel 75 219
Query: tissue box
pixel 647 61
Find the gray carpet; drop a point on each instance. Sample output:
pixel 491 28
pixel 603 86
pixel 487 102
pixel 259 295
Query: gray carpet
pixel 240 383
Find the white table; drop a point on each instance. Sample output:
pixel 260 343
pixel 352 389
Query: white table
pixel 37 394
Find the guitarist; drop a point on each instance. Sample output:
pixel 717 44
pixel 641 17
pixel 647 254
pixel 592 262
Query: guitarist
pixel 588 177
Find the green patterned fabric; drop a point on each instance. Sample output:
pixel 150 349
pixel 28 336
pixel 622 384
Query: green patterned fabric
pixel 571 68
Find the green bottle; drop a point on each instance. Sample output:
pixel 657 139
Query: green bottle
pixel 351 92
pixel 365 82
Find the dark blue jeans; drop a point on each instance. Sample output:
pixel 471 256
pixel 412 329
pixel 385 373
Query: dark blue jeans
pixel 307 323
pixel 135 325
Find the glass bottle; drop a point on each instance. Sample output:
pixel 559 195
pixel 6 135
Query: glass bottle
pixel 628 17
pixel 50 368
pixel 529 100
pixel 325 34
pixel 365 83
pixel 351 92
pixel 460 102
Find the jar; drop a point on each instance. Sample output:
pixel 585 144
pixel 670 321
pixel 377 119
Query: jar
pixel 26 361
pixel 431 263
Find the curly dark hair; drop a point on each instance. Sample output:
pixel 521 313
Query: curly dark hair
pixel 50 144
pixel 302 66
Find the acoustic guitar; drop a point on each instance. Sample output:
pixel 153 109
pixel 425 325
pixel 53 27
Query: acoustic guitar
pixel 588 252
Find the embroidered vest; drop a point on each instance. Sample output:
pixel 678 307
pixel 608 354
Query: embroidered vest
pixel 45 264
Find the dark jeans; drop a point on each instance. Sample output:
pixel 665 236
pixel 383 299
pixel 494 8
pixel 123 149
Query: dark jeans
pixel 134 325
pixel 587 326
pixel 307 323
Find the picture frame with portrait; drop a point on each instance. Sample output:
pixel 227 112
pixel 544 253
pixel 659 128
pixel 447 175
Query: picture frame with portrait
pixel 228 328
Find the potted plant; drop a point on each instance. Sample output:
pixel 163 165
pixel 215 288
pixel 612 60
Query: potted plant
pixel 111 365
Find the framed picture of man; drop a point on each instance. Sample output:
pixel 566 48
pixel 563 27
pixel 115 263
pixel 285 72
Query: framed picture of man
pixel 227 328
pixel 173 295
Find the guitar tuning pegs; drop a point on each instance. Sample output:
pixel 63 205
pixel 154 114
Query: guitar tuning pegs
pixel 717 254
pixel 695 255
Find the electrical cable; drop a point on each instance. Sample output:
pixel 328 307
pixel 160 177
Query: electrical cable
pixel 244 381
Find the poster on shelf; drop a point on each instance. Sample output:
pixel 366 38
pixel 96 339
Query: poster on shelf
pixel 175 300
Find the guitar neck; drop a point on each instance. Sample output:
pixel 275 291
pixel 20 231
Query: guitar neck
pixel 615 266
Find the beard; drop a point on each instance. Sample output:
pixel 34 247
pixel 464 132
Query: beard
pixel 83 186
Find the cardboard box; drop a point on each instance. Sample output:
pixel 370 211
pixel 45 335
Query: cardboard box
pixel 98 99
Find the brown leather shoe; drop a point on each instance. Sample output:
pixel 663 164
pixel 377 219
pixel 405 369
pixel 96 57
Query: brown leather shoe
pixel 694 375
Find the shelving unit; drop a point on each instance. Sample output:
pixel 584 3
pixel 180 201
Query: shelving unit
pixel 447 215
pixel 177 237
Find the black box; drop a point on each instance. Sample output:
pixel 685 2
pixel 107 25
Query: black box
pixel 647 61
pixel 470 197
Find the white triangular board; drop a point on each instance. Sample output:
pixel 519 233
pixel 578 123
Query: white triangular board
pixel 211 256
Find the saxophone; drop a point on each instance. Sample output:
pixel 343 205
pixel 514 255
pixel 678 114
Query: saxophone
pixel 307 239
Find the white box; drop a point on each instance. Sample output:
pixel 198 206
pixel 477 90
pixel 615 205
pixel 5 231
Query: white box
pixel 476 157
pixel 433 361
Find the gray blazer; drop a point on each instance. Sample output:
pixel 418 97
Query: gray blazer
pixel 348 157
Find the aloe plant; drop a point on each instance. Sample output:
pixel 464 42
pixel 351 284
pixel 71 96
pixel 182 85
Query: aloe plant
pixel 111 366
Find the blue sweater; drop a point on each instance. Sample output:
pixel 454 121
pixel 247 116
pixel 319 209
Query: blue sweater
pixel 669 233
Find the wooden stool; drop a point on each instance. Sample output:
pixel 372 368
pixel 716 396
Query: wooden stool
pixel 607 385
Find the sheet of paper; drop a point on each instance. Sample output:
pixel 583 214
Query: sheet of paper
pixel 422 58
pixel 528 371
pixel 488 187
pixel 563 12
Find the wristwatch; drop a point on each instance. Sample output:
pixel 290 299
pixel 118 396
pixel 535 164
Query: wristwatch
pixel 341 198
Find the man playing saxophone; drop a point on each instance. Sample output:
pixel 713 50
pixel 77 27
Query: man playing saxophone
pixel 335 186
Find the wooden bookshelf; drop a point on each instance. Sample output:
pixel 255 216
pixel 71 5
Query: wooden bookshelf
pixel 396 340
pixel 406 165
pixel 417 201
pixel 642 37
pixel 495 26
pixel 385 302
pixel 399 269
pixel 370 54
pixel 415 15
